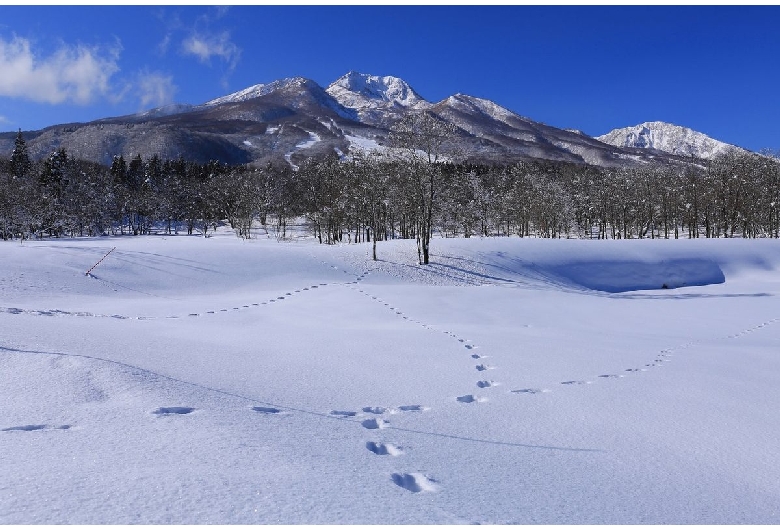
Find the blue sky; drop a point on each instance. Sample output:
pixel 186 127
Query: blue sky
pixel 713 69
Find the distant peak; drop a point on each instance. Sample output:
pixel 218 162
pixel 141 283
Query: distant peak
pixel 358 90
pixel 262 89
pixel 667 137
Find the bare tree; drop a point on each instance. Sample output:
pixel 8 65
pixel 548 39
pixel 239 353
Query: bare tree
pixel 420 138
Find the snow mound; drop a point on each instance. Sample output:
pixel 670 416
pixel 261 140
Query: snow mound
pixel 578 265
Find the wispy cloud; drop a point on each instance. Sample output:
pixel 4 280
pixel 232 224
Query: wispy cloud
pixel 3 119
pixel 205 38
pixel 155 89
pixel 162 47
pixel 205 46
pixel 73 73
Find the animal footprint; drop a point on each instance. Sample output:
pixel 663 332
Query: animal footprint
pixel 483 367
pixel 28 428
pixel 374 423
pixel 167 411
pixel 530 391
pixel 486 384
pixel 610 375
pixel 266 410
pixel 411 408
pixel 469 398
pixel 575 382
pixel 383 449
pixel 375 410
pixel 414 482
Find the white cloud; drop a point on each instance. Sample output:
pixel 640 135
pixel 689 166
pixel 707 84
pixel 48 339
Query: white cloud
pixel 3 119
pixel 205 46
pixel 162 47
pixel 75 74
pixel 155 89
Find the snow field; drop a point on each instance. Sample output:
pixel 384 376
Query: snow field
pixel 229 381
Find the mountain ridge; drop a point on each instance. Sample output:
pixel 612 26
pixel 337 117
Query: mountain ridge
pixel 278 122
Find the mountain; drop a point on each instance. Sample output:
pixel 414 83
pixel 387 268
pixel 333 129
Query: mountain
pixel 376 100
pixel 289 120
pixel 667 137
pixel 492 132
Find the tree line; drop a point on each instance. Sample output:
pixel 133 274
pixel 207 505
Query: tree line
pixel 369 198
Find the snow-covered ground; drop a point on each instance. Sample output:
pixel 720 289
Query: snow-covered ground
pixel 219 380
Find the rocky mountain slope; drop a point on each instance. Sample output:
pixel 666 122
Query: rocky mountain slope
pixel 667 137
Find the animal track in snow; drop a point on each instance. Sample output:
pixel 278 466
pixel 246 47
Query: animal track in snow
pixel 382 449
pixel 469 398
pixel 486 384
pixel 483 367
pixel 28 428
pixel 266 410
pixel 611 376
pixel 375 410
pixel 530 391
pixel 58 312
pixel 477 356
pixel 374 423
pixel 411 408
pixel 414 482
pixel 576 382
pixel 167 411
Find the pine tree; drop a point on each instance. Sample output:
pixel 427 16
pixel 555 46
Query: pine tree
pixel 20 160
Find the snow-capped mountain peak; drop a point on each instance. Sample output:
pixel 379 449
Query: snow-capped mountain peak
pixel 667 137
pixel 474 104
pixel 255 91
pixel 363 91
